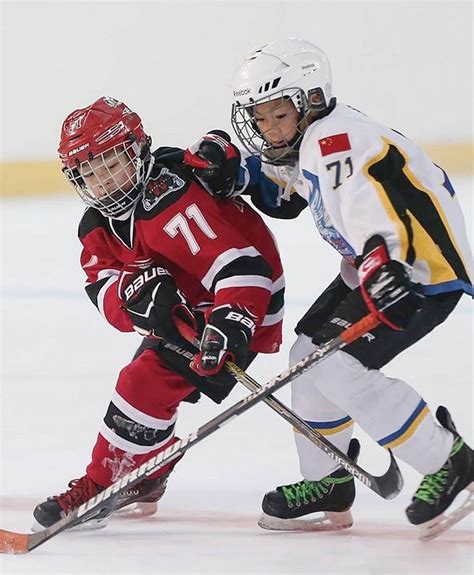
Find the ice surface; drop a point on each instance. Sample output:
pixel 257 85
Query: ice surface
pixel 59 364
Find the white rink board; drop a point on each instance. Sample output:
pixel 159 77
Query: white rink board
pixel 59 362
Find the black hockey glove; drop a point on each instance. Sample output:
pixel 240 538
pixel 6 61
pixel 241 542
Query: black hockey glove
pixel 226 336
pixel 151 298
pixel 222 158
pixel 385 285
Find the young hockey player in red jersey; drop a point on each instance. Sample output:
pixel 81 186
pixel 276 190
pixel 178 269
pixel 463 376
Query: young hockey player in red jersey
pixel 393 216
pixel 157 244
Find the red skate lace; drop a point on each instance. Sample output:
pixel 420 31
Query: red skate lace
pixel 80 491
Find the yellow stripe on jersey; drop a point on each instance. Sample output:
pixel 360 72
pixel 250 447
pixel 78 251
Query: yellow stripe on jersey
pixel 384 198
pixel 426 250
pixel 422 225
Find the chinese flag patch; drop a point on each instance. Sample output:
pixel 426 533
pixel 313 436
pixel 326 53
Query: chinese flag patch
pixel 333 144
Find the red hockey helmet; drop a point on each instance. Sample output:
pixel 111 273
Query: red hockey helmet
pixel 104 150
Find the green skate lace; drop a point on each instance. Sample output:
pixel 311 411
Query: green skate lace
pixel 432 484
pixel 306 491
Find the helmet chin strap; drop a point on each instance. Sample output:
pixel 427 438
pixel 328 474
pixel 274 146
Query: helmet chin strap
pixel 286 155
pixel 151 162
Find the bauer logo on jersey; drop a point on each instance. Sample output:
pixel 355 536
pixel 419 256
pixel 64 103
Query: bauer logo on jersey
pixel 335 143
pixel 159 187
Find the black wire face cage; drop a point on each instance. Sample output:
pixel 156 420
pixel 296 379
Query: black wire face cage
pixel 113 181
pixel 253 139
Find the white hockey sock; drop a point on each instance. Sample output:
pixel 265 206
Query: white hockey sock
pixel 388 409
pixel 320 414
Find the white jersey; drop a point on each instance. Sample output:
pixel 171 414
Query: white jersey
pixel 361 178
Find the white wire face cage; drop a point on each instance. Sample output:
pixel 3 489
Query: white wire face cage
pixel 253 139
pixel 113 181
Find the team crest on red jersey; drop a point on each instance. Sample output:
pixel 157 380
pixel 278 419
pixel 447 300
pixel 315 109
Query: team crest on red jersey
pixel 159 187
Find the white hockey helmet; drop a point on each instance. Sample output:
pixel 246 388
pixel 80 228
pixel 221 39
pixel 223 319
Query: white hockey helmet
pixel 292 69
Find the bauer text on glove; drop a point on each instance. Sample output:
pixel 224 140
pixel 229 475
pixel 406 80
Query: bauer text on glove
pixel 227 335
pixel 150 297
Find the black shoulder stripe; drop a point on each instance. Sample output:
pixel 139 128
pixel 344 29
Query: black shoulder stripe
pixel 389 173
pixel 244 266
pixel 277 301
pixel 93 290
pixel 168 155
pixel 91 220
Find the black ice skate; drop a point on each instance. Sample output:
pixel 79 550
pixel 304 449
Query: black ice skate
pixel 438 490
pixel 140 500
pixel 330 497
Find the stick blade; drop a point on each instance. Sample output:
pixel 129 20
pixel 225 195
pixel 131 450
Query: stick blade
pixel 390 484
pixel 14 543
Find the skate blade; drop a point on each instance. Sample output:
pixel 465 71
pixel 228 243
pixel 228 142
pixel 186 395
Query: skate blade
pixel 442 523
pixel 91 525
pixel 329 521
pixel 137 510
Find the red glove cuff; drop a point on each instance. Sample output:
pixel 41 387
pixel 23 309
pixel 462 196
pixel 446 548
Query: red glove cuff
pixel 374 260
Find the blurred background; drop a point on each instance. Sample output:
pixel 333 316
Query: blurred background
pixel 407 64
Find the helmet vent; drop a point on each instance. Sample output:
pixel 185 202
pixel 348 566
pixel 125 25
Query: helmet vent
pixel 255 55
pixel 265 87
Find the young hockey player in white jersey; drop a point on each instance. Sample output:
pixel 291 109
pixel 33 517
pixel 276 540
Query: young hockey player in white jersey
pixel 393 216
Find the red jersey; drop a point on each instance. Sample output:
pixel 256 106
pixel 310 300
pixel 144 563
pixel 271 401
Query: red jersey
pixel 218 251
